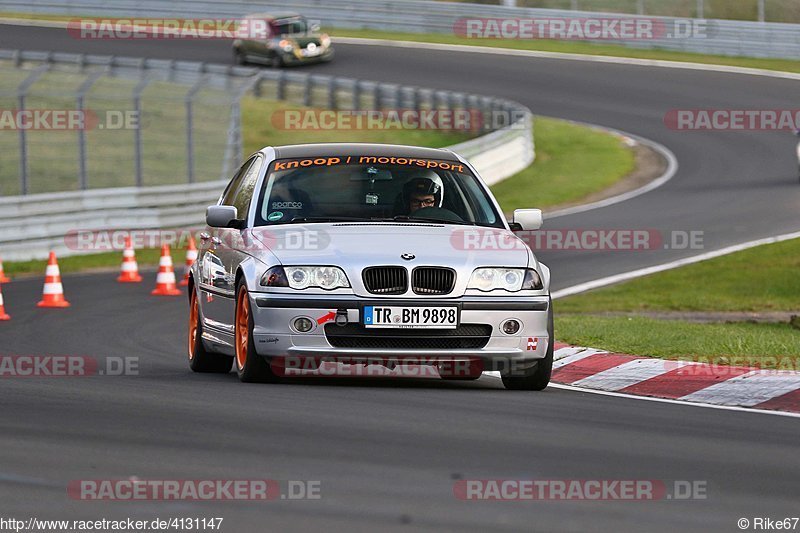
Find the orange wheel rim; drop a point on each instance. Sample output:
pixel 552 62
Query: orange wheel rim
pixel 242 326
pixel 193 317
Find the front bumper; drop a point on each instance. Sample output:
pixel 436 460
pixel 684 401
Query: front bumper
pixel 292 58
pixel 274 335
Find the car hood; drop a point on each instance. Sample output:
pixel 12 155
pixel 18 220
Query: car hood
pixel 303 41
pixel 355 246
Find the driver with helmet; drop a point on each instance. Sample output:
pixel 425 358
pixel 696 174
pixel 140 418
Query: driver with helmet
pixel 421 191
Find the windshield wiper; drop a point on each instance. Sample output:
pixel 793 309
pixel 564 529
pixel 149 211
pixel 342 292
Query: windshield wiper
pixel 406 218
pixel 296 220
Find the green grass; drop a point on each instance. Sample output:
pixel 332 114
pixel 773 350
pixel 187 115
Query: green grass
pixel 576 47
pixel 734 343
pixel 572 161
pixel 765 278
pixel 79 263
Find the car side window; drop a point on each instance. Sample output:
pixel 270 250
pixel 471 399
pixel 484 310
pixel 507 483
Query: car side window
pixel 246 188
pixel 233 187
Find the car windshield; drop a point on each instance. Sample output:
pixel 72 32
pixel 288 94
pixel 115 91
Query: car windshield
pixel 373 189
pixel 290 26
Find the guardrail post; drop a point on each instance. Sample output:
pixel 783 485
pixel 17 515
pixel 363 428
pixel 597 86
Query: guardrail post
pixel 398 97
pixel 573 5
pixel 137 133
pixel 640 7
pixel 22 91
pixel 332 94
pixel 307 88
pixel 761 11
pixel 190 127
pixel 80 101
pixel 357 95
pixel 280 86
pixel 377 96
pixel 701 9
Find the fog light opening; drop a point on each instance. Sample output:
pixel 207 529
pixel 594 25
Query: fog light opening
pixel 511 327
pixel 303 324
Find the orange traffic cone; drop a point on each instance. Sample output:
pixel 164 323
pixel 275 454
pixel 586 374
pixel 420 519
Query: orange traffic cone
pixel 3 277
pixel 191 257
pixel 53 294
pixel 165 281
pixel 3 314
pixel 130 268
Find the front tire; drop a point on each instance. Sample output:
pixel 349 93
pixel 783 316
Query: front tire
pixel 200 359
pixel 539 376
pixel 239 57
pixel 276 61
pixel 251 367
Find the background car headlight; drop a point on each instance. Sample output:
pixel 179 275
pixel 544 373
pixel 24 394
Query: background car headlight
pixel 325 40
pixel 324 277
pixel 507 279
pixel 286 45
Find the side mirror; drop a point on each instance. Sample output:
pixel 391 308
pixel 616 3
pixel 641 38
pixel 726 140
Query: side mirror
pixel 527 219
pixel 222 216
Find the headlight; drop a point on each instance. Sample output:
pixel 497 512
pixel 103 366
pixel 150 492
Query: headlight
pixel 274 277
pixel 303 277
pixel 506 279
pixel 325 40
pixel 286 45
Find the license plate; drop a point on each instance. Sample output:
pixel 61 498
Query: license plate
pixel 375 316
pixel 310 53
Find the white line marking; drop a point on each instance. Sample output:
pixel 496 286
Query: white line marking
pixel 677 402
pixel 669 173
pixel 661 400
pixel 568 360
pixel 627 374
pixel 748 389
pixel 660 63
pixel 561 353
pixel 617 278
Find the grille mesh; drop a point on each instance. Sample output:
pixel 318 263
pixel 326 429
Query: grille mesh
pixel 433 280
pixel 385 279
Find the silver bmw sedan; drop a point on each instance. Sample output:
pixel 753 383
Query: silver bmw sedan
pixel 341 256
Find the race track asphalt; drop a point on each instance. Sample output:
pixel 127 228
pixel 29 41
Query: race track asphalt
pixel 388 453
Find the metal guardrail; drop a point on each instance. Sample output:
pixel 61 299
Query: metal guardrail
pixel 723 37
pixel 33 224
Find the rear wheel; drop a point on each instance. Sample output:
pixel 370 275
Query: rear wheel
pixel 200 359
pixel 251 367
pixel 538 377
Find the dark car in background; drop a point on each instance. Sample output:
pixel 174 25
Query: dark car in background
pixel 280 40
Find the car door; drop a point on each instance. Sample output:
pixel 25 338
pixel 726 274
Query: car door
pixel 236 249
pixel 216 284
